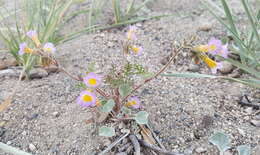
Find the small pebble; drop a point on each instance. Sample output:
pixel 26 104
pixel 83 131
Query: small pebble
pixel 32 147
pixel 257 150
pixel 2 131
pixel 249 110
pixel 255 123
pixel 38 73
pixel 8 142
pixel 227 67
pixel 200 150
pixel 56 114
pixel 193 68
pixel 205 27
pixel 257 117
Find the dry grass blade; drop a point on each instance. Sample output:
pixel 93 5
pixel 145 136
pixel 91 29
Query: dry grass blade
pixel 147 135
pixel 6 103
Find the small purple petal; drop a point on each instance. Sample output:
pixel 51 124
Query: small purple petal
pixel 22 46
pixel 31 33
pixel 49 47
pixel 224 51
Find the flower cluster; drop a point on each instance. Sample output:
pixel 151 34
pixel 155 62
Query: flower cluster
pixel 25 49
pixel 214 47
pixel 88 98
pixel 131 36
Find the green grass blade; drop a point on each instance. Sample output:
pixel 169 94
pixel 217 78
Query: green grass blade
pixel 12 150
pixel 252 22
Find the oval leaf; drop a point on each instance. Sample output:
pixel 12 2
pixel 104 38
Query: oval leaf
pixel 141 117
pixel 243 150
pixel 106 131
pixel 108 106
pixel 124 90
pixel 221 140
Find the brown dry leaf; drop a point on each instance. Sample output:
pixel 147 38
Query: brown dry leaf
pixel 147 135
pixel 6 103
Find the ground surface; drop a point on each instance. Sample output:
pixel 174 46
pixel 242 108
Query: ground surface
pixel 185 112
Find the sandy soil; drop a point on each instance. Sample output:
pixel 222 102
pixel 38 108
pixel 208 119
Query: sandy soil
pixel 184 112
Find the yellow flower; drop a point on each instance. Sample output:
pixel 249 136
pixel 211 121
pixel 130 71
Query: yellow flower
pixel 213 65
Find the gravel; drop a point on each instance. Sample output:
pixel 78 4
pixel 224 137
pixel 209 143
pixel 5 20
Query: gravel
pixel 45 108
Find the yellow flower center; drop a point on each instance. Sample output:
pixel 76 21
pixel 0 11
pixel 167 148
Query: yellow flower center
pixel 135 49
pixel 48 49
pixel 87 98
pixel 27 50
pixel 212 47
pixel 131 103
pixel 92 82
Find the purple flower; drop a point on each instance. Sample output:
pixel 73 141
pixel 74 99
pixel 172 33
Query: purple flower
pixel 131 33
pixel 49 47
pixel 33 35
pixel 224 51
pixel 92 80
pixel 214 45
pixel 24 49
pixel 86 99
pixel 133 102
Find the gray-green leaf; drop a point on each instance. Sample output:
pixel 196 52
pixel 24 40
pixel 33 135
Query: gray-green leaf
pixel 221 140
pixel 141 117
pixel 243 150
pixel 106 131
pixel 124 90
pixel 108 106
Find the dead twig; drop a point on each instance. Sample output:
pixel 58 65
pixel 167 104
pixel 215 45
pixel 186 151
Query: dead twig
pixel 113 144
pixel 135 144
pixel 124 147
pixel 248 102
pixel 155 137
pixel 156 148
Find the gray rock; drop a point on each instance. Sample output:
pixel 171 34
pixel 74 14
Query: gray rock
pixel 32 147
pixel 200 150
pixel 227 67
pixel 249 110
pixel 9 73
pixel 2 131
pixel 56 114
pixel 257 117
pixel 255 123
pixel 121 153
pixel 193 68
pixel 38 73
pixel 257 150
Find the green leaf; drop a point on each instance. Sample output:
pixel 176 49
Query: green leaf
pixel 124 90
pixel 221 140
pixel 106 131
pixel 126 110
pixel 243 150
pixel 141 117
pixel 108 106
